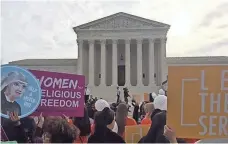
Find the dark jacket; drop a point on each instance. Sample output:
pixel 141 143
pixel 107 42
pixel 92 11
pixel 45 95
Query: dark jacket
pixel 136 113
pixel 126 94
pixel 155 133
pixel 13 131
pixel 23 132
pixel 107 137
pixel 9 106
pixel 29 126
pixel 156 111
pixel 83 124
pixel 151 97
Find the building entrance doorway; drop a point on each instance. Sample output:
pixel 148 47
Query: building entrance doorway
pixel 121 75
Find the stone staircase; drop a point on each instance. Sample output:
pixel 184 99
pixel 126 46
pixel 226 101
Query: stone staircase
pixel 109 92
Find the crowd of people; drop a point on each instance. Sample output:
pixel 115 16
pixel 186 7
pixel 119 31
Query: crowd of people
pixel 102 123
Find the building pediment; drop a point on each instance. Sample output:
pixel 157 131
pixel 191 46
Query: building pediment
pixel 121 21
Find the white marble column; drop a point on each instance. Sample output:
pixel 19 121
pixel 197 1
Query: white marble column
pixel 114 62
pixel 151 62
pixel 139 62
pixel 127 63
pixel 80 57
pixel 162 59
pixel 103 62
pixel 91 63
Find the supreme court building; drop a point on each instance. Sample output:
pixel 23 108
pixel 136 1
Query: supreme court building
pixel 122 50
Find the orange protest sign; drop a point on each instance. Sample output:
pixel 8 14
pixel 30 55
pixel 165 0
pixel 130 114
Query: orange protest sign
pixel 134 133
pixel 137 98
pixel 146 97
pixel 198 101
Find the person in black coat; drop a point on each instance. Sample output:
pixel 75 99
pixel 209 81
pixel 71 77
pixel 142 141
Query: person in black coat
pixel 126 95
pixel 156 131
pixel 83 124
pixel 104 123
pixel 14 128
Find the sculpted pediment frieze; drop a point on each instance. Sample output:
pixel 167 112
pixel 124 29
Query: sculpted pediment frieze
pixel 120 23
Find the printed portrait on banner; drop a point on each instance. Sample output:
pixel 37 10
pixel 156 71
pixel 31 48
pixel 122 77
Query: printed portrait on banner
pixel 20 91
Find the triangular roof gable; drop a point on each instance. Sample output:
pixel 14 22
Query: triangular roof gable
pixel 121 20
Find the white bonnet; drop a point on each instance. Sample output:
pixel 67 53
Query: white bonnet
pixel 160 102
pixel 13 77
pixel 161 92
pixel 154 95
pixel 101 104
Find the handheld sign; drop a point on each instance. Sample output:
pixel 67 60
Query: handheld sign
pixel 134 133
pixel 137 98
pixel 198 101
pixel 62 94
pixel 146 97
pixel 20 91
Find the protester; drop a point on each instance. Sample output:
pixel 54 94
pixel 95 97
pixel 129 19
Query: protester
pixel 91 108
pixel 83 124
pixel 126 94
pixel 159 132
pixel 104 123
pixel 39 121
pixel 29 126
pixel 155 133
pixel 118 95
pixel 136 111
pixel 87 94
pixel 161 92
pixel 158 118
pixel 153 96
pixel 14 129
pixel 142 112
pixel 113 106
pixel 160 104
pixel 57 130
pixel 122 118
pixel 99 106
pixel 170 134
pixel 149 108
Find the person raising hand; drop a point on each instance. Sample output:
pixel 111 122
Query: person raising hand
pixel 170 134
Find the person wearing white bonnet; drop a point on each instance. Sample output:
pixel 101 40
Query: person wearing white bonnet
pixel 161 92
pixel 12 87
pixel 100 105
pixel 160 102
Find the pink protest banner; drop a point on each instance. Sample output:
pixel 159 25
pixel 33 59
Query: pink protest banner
pixel 62 94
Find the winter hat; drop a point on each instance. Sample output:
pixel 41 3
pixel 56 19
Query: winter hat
pixel 161 92
pixel 101 104
pixel 154 95
pixel 160 102
pixel 13 77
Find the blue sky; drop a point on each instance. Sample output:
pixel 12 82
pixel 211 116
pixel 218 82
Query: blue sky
pixel 43 29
